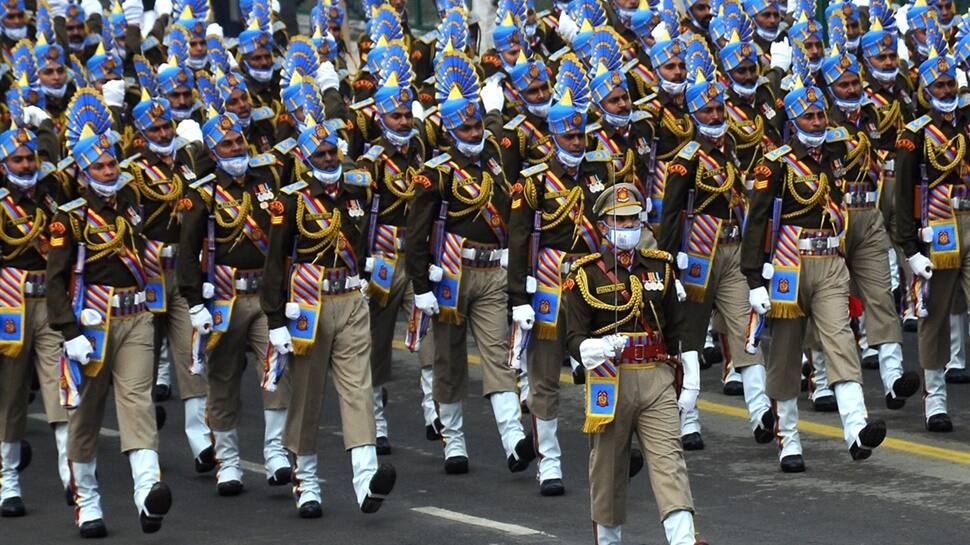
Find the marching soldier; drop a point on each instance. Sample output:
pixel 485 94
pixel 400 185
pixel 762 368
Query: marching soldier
pixel 96 300
pixel 550 227
pixel 225 221
pixel 29 197
pixel 456 239
pixel 624 320
pixel 316 310
pixel 797 193
pixel 256 63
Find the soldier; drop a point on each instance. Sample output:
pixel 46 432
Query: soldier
pixel 797 192
pixel 316 310
pixel 96 299
pixel 703 181
pixel 768 26
pixel 624 340
pixel 29 196
pixel 256 64
pixel 551 226
pixel 162 167
pixel 224 216
pixel 456 239
pixel 930 199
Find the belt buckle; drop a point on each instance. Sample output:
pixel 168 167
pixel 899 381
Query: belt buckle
pixel 819 243
pixel 485 254
pixel 639 352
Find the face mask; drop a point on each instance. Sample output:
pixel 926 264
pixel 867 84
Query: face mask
pixel 54 92
pixel 848 105
pixel 768 35
pixel 539 110
pixel 948 26
pixel 885 76
pixel 712 131
pixel 261 75
pixel 568 159
pixel 76 46
pixel 234 166
pixel 245 121
pixel 814 66
pixel 181 114
pixel 328 177
pixel 24 183
pixel 105 190
pixel 398 139
pixel 944 106
pixel 162 151
pixel 625 238
pixel 530 29
pixel 744 91
pixel 196 63
pixel 810 139
pixel 618 121
pixel 853 44
pixel 469 150
pixel 923 50
pixel 674 89
pixel 16 33
pixel 626 15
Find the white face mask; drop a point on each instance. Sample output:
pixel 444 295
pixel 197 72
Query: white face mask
pixel 328 177
pixel 623 238
pixel 885 76
pixel 618 121
pixel 568 159
pixel 768 35
pixel 625 15
pixel 922 49
pixel 808 139
pixel 530 29
pixel 76 46
pixel 853 44
pixel 674 89
pixel 196 63
pixel 397 139
pixel 15 33
pixel 24 183
pixel 539 110
pixel 848 105
pixel 105 190
pixel 54 92
pixel 814 66
pixel 944 106
pixel 712 131
pixel 162 151
pixel 470 150
pixel 234 166
pixel 744 91
pixel 181 114
pixel 261 75
pixel 245 121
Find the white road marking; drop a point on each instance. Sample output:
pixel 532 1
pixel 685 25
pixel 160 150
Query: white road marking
pixel 504 527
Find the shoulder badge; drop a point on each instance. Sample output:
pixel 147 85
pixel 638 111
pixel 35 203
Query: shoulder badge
pixel 917 124
pixel 71 206
pixel 429 37
pixel 777 153
pixel 285 146
pixel 836 134
pixel 362 104
pixel 598 156
pixel 437 161
pixel 262 160
pixel 629 65
pixel 149 43
pixel 181 142
pixel 534 169
pixel 259 114
pixel 129 160
pixel 45 169
pixel 657 254
pixel 689 150
pixel 125 178
pixel 593 127
pixel 639 115
pixel 4 192
pixel 202 181
pixel 294 187
pixel 645 100
pixel 65 162
pixel 514 122
pixel 357 178
pixel 559 54
pixel 373 153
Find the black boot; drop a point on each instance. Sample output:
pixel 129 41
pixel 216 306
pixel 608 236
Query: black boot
pixel 94 529
pixel 766 430
pixel 523 455
pixel 205 461
pixel 939 423
pixel 904 386
pixel 870 437
pixel 381 485
pixel 793 463
pixel 311 510
pixel 157 504
pixel 13 507
pixel 552 487
pixel 692 441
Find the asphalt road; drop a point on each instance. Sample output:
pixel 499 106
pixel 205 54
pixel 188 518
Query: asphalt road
pixel 913 490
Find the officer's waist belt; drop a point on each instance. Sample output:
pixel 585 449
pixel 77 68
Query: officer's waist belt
pixel 643 348
pixel 35 284
pixel 248 281
pixel 860 196
pixel 126 302
pixel 960 204
pixel 338 281
pixel 482 257
pixel 818 243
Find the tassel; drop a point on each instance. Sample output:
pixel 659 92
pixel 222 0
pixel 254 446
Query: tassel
pixel 695 293
pixel 450 316
pixel 545 331
pixel 785 311
pixel 945 260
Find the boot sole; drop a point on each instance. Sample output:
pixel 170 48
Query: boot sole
pixel 766 431
pixel 906 385
pixel 159 500
pixel 381 485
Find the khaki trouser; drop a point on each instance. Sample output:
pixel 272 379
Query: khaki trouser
pixel 177 326
pixel 41 350
pixel 727 291
pixel 823 294
pixel 247 327
pixel 646 406
pixel 343 348
pixel 544 359
pixel 866 251
pixel 483 305
pixel 128 365
pixel 382 322
pixel 944 287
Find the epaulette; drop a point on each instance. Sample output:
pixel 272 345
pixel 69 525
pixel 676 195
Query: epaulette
pixel 514 122
pixel 429 81
pixel 778 153
pixel 202 181
pixel 285 146
pixel 130 82
pixel 964 100
pixel 259 114
pixel 836 134
pixel 559 54
pixel 534 169
pixel 585 260
pixel 918 123
pixel 643 101
pixel 4 68
pixel 639 115
pixel 373 153
pixel 657 254
pixel 231 43
pixel 598 156
pixel 336 124
pixel 71 206
pixel 543 13
pixel 129 160
pixel 429 37
pixel 262 160
pixel 689 150
pixel 358 178
pixel 436 162
pixel 4 192
pixel 593 127
pixel 362 104
pixel 124 179
pixel 45 169
pixel 429 111
pixel 65 162
pixel 149 43
pixel 294 187
pixel 181 142
pixel 629 65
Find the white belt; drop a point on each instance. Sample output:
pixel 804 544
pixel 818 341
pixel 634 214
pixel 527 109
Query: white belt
pixel 167 251
pixel 889 165
pixel 818 243
pixel 483 254
pixel 32 289
pixel 136 299
pixel 862 197
pixel 347 284
pixel 960 203
pixel 247 284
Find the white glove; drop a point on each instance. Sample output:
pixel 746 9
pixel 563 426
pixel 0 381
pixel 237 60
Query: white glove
pixel 57 8
pixel 291 311
pixel 148 23
pixel 435 273
pixel 682 260
pixel 91 317
pixel 275 6
pixel 691 386
pixel 961 79
pixel 369 265
pixel 189 129
pixel 921 265
pixel 208 290
pixel 903 52
pixel 681 292
pixel 791 6
pixel 417 110
pixel 201 319
pixel 760 302
pixel 342 145
pixel 114 93
pixel 568 28
pixel 133 9
pixel 79 349
pixel 524 316
pixel 595 352
pixel 327 77
pixel 647 208
pixel 427 302
pixel 34 116
pixel 214 29
pixel 781 55
pixel 767 271
pixel 163 7
pixel 861 3
pixel 901 23
pixel 660 32
pixel 92 7
pixel 492 97
pixel 280 338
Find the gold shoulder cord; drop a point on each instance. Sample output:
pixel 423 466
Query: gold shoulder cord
pixel 325 236
pixel 933 154
pixel 145 189
pixel 744 141
pixel 632 307
pixel 860 157
pixel 714 190
pixel 235 225
pixel 681 128
pixel 402 197
pixel 20 244
pixel 114 245
pixel 890 117
pixel 821 192
pixel 473 204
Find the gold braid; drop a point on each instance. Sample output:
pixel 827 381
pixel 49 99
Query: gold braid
pixel 933 153
pixel 474 204
pixel 892 118
pixel 108 247
pixel 402 196
pixel 145 188
pixel 743 140
pixel 820 193
pixel 860 157
pixel 235 225
pixel 714 190
pixel 20 244
pixel 633 306
pixel 574 201
pixel 326 236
